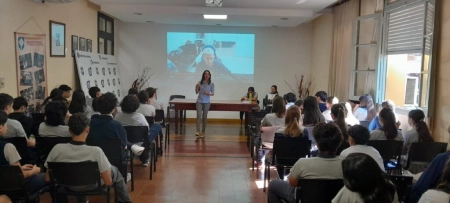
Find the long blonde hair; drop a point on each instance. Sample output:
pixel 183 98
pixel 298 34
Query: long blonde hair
pixel 293 128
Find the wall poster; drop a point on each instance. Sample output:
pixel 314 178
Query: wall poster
pixel 31 68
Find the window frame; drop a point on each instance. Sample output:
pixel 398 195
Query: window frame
pixel 106 36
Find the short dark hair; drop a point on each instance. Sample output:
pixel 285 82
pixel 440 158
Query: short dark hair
pixel 5 100
pixel 143 97
pixel 64 88
pixel 78 122
pixel 360 134
pixel 3 117
pixel 106 103
pixel 328 137
pixel 298 103
pixel 151 91
pixel 133 91
pixel 93 91
pixel 55 113
pixel 19 102
pixel 322 95
pixel 290 97
pixel 129 104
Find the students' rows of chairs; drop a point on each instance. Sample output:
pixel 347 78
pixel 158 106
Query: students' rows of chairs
pixel 286 152
pixel 74 174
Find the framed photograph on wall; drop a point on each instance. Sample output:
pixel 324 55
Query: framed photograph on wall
pixel 82 44
pixel 57 39
pixel 74 44
pixel 89 45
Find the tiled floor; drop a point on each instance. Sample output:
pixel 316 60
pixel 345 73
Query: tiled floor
pixel 216 168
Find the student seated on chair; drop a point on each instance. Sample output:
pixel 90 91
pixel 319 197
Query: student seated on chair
pixel 129 117
pixel 322 97
pixel 432 176
pixel 358 136
pixel 326 166
pixel 375 123
pixel 155 103
pixel 54 125
pixel 133 91
pixel 15 129
pixel 78 151
pixel 330 102
pixel 365 182
pixel 289 99
pixel 20 106
pixel 276 118
pixel 34 180
pixel 145 108
pixel 442 191
pixel 388 129
pixel 103 126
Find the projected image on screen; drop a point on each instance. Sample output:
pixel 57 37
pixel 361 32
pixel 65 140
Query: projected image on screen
pixel 226 55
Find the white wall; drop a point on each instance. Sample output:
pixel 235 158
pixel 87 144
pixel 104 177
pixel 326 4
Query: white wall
pixel 280 54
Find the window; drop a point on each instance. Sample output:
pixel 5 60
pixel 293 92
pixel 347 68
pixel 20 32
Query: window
pixel 408 45
pixel 393 60
pixel 105 34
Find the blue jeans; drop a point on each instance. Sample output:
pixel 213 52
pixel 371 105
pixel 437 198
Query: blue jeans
pixel 35 183
pixel 279 189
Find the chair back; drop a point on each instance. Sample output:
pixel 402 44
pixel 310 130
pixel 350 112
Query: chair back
pixel 159 116
pixel 38 118
pixel 136 134
pixel 403 186
pixel 308 190
pixel 388 149
pixel 150 120
pixel 21 145
pixel 12 182
pixel 112 147
pixel 268 133
pixel 365 123
pixel 74 174
pixel 257 117
pixel 44 145
pixel 290 150
pixel 425 151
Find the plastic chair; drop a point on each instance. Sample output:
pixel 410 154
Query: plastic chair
pixel 308 190
pixel 44 146
pixel 159 118
pixel 38 118
pixel 253 129
pixel 22 147
pixel 267 137
pixel 285 153
pixel 12 184
pixel 389 150
pixel 425 152
pixel 112 147
pixel 139 134
pixel 403 186
pixel 64 175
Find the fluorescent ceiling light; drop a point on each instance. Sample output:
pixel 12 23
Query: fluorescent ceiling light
pixel 301 1
pixel 215 17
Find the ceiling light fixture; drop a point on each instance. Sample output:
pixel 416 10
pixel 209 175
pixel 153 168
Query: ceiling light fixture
pixel 150 22
pixel 284 18
pixel 301 1
pixel 215 17
pixel 139 14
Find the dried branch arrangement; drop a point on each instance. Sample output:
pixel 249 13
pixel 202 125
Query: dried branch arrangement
pixel 304 85
pixel 143 78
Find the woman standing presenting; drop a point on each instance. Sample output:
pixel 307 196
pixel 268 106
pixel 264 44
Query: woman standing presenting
pixel 204 89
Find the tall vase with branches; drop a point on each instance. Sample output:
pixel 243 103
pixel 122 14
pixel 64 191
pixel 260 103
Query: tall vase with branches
pixel 304 85
pixel 143 78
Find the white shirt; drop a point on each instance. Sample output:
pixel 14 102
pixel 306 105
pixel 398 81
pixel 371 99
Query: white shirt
pixel 361 114
pixel 157 104
pixel 327 115
pixel 380 135
pixel 372 152
pixel 54 131
pixel 146 110
pixel 289 105
pixel 272 119
pixel 15 129
pixel 434 196
pixel 131 119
